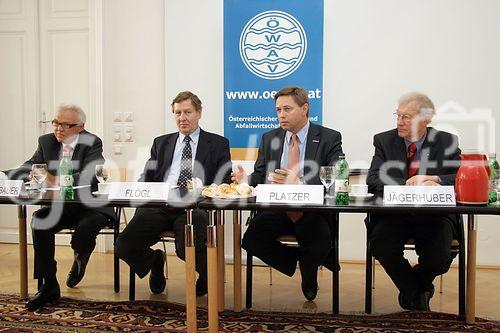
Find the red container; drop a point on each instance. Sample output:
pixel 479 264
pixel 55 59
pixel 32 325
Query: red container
pixel 472 182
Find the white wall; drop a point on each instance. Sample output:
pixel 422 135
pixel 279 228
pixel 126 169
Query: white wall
pixel 374 51
pixel 134 76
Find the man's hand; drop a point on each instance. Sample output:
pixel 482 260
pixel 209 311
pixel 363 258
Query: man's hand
pixel 423 180
pixel 239 176
pixel 52 180
pixel 283 176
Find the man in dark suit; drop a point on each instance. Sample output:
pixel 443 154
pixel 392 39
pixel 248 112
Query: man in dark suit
pixel 413 154
pixel 172 161
pixel 85 150
pixel 292 154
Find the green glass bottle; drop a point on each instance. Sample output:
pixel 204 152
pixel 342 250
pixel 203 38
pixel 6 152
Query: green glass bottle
pixel 66 177
pixel 341 181
pixel 494 176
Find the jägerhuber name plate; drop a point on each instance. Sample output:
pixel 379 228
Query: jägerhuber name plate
pixel 419 195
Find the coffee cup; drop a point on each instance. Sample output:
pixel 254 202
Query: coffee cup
pixel 359 190
pixel 103 188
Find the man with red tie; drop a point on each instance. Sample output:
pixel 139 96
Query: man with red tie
pixel 413 154
pixel 292 154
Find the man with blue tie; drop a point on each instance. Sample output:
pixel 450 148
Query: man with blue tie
pixel 176 158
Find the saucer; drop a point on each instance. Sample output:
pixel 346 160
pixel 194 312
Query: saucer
pixel 360 197
pixel 99 194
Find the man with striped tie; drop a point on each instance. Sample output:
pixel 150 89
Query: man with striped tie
pixel 292 154
pixel 413 154
pixel 176 158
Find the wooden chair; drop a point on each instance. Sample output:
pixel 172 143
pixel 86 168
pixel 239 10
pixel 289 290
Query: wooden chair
pixel 457 246
pixel 292 241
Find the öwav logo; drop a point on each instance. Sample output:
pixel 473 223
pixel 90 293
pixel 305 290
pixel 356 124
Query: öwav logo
pixel 273 44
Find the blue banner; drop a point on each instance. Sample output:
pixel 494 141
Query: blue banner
pixel 268 45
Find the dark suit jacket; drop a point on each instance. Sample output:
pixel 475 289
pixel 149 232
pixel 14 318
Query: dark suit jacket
pixel 212 156
pixel 323 147
pixel 87 153
pixel 440 157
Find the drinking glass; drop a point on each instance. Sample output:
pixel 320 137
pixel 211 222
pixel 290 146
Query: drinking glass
pixel 101 173
pixel 39 173
pixel 327 177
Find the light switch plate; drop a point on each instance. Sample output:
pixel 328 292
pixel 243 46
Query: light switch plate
pixel 128 133
pixel 117 149
pixel 128 116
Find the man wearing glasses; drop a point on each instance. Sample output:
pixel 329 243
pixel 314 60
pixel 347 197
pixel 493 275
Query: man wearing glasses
pixel 413 154
pixel 177 158
pixel 292 154
pixel 85 151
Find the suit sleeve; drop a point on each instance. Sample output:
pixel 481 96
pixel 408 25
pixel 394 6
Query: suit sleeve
pixel 92 157
pixel 23 171
pixel 258 176
pixel 224 165
pixel 335 150
pixel 148 174
pixel 451 162
pixel 374 181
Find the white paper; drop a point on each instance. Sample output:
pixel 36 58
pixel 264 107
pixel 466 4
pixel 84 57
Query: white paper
pixel 290 194
pixel 419 195
pixel 139 191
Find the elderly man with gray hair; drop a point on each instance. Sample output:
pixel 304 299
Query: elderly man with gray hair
pixel 85 151
pixel 413 154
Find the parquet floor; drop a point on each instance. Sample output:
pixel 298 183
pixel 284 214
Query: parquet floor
pixel 283 295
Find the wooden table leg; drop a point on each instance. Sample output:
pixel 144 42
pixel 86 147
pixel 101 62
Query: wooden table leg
pixel 237 260
pixel 23 252
pixel 213 305
pixel 221 259
pixel 470 309
pixel 190 274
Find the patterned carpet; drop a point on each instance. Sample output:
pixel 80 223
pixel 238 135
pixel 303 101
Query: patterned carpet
pixel 70 315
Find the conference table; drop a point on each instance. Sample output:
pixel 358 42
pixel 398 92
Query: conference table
pixel 217 206
pixel 177 199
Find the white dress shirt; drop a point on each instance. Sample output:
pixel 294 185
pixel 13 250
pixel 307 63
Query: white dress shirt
pixel 175 168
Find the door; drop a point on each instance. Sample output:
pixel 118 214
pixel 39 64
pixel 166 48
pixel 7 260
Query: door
pixel 48 57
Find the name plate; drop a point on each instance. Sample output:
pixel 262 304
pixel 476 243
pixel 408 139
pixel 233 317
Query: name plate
pixel 139 191
pixel 290 194
pixel 419 195
pixel 10 188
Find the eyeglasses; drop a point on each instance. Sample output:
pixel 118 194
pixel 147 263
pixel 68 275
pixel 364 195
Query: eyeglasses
pixel 404 117
pixel 64 126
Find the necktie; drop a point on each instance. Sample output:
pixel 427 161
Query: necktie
pixel 185 173
pixel 293 155
pixel 411 160
pixel 68 150
pixel 294 165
